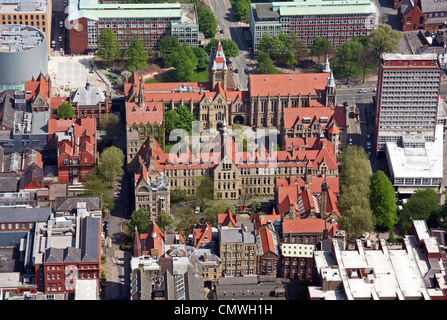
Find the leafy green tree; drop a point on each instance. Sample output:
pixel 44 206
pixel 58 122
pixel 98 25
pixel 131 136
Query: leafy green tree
pixel 229 47
pixel 265 63
pixel 355 181
pixel 348 56
pixel 366 58
pixel 205 189
pixel 384 39
pixel 202 58
pixel 141 218
pixel 383 201
pixel 297 46
pixel 321 47
pixel 241 9
pixel 356 221
pixel 422 205
pixel 169 45
pixel 180 118
pixel 111 162
pixel 184 61
pixel 108 48
pixel 163 220
pixel 66 111
pixel 137 55
pixel 95 186
pixel 110 123
pixel 178 195
pixel 207 21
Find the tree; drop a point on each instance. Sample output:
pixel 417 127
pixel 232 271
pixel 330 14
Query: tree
pixel 178 195
pixel 205 189
pixel 241 9
pixel 169 45
pixel 229 47
pixel 202 58
pixel 348 56
pixel 355 181
pixel 356 221
pixel 137 55
pixel 163 220
pixel 184 61
pixel 422 205
pixel 110 123
pixel 383 201
pixel 140 218
pixel 95 186
pixel 108 48
pixel 111 162
pixel 321 46
pixel 366 58
pixel 207 22
pixel 66 111
pixel 180 118
pixel 384 39
pixel 297 46
pixel 265 63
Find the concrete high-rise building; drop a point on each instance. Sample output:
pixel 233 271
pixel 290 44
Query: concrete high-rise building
pixel 407 98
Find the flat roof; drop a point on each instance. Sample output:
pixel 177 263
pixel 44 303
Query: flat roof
pixel 417 162
pixel 387 274
pixel 402 56
pixel 324 7
pixel 91 9
pixel 24 6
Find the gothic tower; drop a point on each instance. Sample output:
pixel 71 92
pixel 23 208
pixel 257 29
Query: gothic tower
pixel 218 69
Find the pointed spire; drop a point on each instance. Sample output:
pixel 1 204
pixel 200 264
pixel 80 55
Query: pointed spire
pixel 327 67
pixel 331 80
pixel 136 245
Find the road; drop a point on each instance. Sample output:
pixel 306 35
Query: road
pixel 232 29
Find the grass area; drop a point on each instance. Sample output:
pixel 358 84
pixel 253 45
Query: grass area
pixel 200 76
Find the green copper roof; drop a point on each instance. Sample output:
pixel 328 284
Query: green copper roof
pixel 324 7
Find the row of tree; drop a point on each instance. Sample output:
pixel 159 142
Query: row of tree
pixel 354 57
pixel 108 171
pixel 109 51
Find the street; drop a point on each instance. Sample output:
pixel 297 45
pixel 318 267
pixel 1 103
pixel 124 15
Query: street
pixel 232 29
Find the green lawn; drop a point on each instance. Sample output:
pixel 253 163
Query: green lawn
pixel 201 76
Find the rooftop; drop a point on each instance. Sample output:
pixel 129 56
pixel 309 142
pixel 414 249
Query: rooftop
pixel 15 38
pixel 23 6
pixel 417 162
pixel 93 10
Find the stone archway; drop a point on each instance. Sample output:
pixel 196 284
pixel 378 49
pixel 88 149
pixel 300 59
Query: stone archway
pixel 238 119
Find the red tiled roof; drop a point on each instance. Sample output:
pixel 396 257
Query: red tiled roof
pixel 293 191
pixel 285 84
pixel 153 238
pixel 267 242
pixel 41 85
pixel 55 102
pixel 308 226
pixel 151 113
pixel 203 235
pixel 292 115
pixel 226 218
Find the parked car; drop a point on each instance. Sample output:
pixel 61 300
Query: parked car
pixel 362 91
pixel 236 70
pixel 369 136
pixel 368 145
pixel 197 210
pixel 350 141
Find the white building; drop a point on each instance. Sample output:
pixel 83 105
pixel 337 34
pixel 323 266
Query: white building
pixel 415 163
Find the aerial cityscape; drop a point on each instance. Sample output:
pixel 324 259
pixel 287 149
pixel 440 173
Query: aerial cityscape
pixel 223 150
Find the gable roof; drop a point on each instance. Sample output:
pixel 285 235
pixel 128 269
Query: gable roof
pixel 153 112
pixel 292 115
pixel 267 241
pixel 308 226
pixel 285 84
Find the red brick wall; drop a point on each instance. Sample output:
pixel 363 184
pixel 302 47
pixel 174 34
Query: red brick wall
pixel 79 37
pixel 411 21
